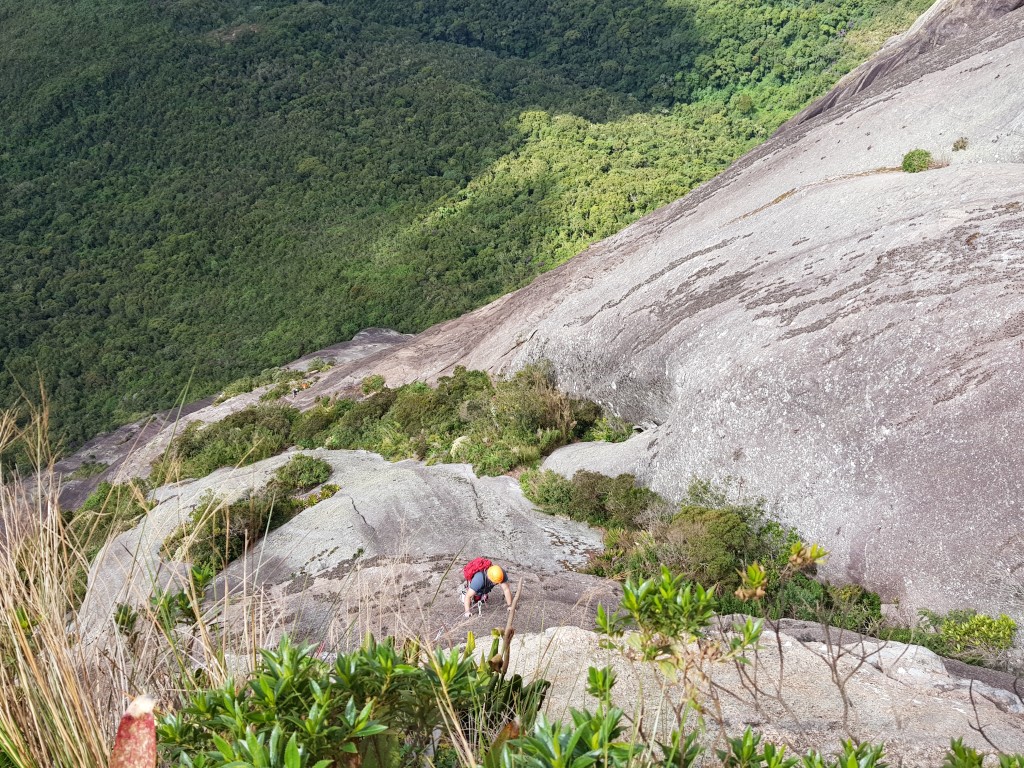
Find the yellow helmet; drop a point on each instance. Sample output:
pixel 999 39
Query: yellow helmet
pixel 495 575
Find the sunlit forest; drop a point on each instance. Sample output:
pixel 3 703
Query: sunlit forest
pixel 193 190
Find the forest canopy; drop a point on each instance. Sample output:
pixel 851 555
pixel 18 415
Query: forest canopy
pixel 192 190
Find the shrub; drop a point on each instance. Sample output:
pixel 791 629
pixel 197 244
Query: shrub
pixel 312 427
pixel 89 469
pixel 371 384
pixel 590 497
pixel 707 544
pixel 264 377
pixel 496 426
pixel 967 635
pixel 239 439
pixel 217 533
pixel 319 365
pixel 547 489
pixel 301 474
pixel 380 705
pixel 108 511
pixel 610 429
pixel 960 144
pixel 978 635
pixel 282 388
pixel 917 160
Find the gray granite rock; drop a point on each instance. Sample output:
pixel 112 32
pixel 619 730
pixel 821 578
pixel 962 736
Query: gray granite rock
pixel 802 695
pixel 385 552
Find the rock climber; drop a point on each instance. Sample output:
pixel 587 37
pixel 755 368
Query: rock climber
pixel 482 582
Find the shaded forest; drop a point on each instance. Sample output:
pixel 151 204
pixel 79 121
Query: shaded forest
pixel 192 190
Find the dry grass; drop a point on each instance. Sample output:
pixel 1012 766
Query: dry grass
pixel 66 684
pixel 53 711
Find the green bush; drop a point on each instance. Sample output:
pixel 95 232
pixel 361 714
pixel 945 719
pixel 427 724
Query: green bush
pixel 310 428
pixel 239 439
pixel 371 384
pixel 978 635
pixel 108 511
pixel 590 497
pixel 319 365
pixel 609 429
pixel 966 635
pixel 217 533
pixel 301 474
pixel 89 469
pixel 380 705
pixel 495 426
pixel 249 383
pixel 917 160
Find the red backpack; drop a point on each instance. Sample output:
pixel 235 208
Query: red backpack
pixel 473 567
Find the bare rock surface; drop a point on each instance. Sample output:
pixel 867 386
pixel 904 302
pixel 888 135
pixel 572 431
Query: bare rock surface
pixel 385 552
pixel 843 337
pixel 806 695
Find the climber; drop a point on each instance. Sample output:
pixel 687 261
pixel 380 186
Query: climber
pixel 481 580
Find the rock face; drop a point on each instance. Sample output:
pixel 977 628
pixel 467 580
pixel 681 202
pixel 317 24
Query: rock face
pixel 385 554
pixel 842 337
pixel 823 693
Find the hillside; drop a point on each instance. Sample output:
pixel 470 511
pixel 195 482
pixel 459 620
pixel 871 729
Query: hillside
pixel 190 191
pixel 835 334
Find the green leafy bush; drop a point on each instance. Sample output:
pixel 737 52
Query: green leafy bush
pixel 239 439
pixel 610 429
pixel 968 635
pixel 88 469
pixel 848 607
pixel 301 474
pixel 372 384
pixel 217 533
pixel 495 426
pixel 708 539
pixel 917 160
pixel 590 497
pixel 108 511
pixel 380 705
pixel 977 635
pixel 240 386
pixel 310 428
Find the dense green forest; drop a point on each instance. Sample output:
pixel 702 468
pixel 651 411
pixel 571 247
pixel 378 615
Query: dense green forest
pixel 191 190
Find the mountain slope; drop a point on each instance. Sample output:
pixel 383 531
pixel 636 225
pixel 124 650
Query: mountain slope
pixel 837 335
pixel 190 191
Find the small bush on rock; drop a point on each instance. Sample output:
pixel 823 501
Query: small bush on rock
pixel 217 533
pixel 301 474
pixel 108 511
pixel 917 160
pixel 978 634
pixel 240 439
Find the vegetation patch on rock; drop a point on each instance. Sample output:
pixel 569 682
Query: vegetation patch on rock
pixel 917 160
pixel 108 511
pixel 494 425
pixel 217 533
